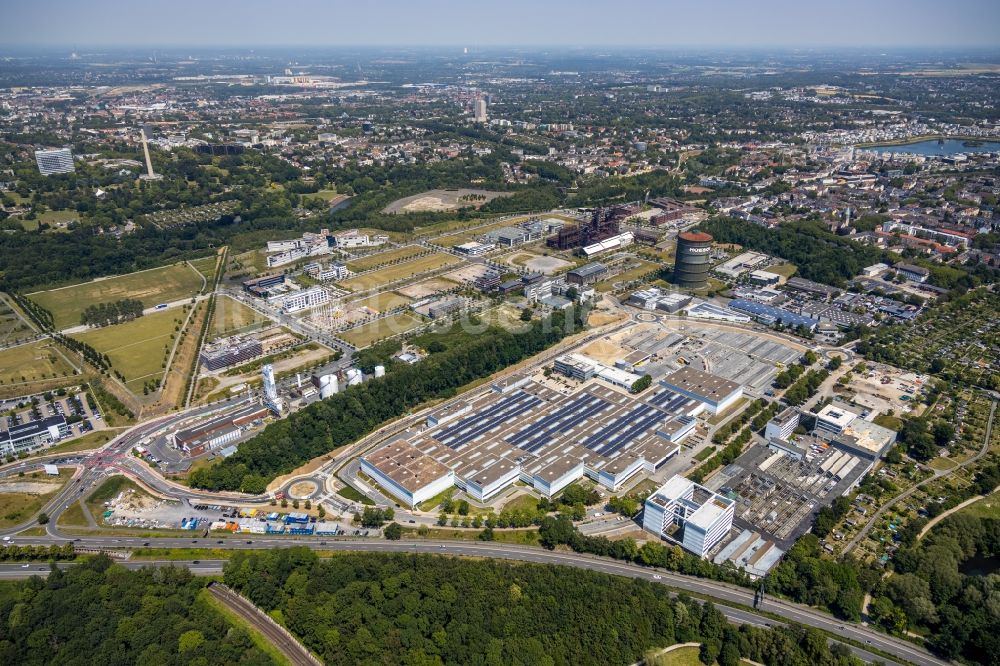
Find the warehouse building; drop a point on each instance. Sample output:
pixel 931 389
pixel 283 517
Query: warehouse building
pixel 410 475
pixel 522 430
pixel 770 315
pixel 588 274
pixel 217 431
pixel 714 392
pixel 702 516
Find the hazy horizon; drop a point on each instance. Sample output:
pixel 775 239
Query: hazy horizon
pixel 640 24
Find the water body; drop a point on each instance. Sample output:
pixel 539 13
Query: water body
pixel 933 148
pixel 980 566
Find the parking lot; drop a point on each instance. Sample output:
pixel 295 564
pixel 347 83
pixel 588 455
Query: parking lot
pixel 751 360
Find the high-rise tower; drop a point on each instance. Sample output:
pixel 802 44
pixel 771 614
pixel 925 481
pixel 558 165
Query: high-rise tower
pixel 150 174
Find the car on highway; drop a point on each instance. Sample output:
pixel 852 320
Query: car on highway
pixel 25 566
pixel 657 577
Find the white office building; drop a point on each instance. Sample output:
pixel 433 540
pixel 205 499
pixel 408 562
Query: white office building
pixel 782 425
pixel 702 516
pixel 834 418
pixel 303 300
pixel 58 160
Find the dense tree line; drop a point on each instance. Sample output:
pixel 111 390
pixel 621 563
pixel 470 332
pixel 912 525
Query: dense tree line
pixel 930 592
pixel 807 577
pixel 106 314
pixel 32 259
pixel 427 610
pixel 820 255
pixel 98 613
pixel 351 414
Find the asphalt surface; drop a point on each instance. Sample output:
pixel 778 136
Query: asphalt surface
pixel 723 594
pixel 115 458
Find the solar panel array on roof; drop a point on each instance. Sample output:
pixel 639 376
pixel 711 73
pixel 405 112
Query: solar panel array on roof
pixel 623 430
pixel 786 317
pixel 471 427
pixel 669 401
pixel 538 434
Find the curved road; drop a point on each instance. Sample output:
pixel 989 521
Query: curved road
pixel 938 474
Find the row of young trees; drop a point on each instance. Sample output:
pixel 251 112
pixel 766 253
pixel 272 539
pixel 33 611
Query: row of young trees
pixel 352 414
pixel 421 609
pixel 106 314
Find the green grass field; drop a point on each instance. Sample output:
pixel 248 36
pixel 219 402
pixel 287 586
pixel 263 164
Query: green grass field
pixel 685 656
pixel 88 442
pixel 522 503
pixel 644 268
pixel 18 505
pixel 784 270
pixel 232 317
pixel 362 336
pixel 349 493
pixel 32 362
pixel 136 348
pixel 396 272
pixel 205 266
pixel 12 327
pixel 323 195
pixel 382 258
pixel 988 507
pixel 152 287
pixel 53 218
pixel 383 301
pixel 253 261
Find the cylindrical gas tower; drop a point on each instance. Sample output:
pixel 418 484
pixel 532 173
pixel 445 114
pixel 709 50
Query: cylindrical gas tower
pixel 692 263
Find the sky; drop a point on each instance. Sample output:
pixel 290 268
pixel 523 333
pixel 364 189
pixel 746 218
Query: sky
pixel 479 23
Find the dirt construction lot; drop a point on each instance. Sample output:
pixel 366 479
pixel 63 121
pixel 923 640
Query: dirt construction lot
pixel 426 288
pixel 442 200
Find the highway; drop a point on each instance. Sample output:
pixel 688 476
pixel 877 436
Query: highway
pixel 728 598
pixel 116 458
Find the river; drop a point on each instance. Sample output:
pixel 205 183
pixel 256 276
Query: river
pixel 934 148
